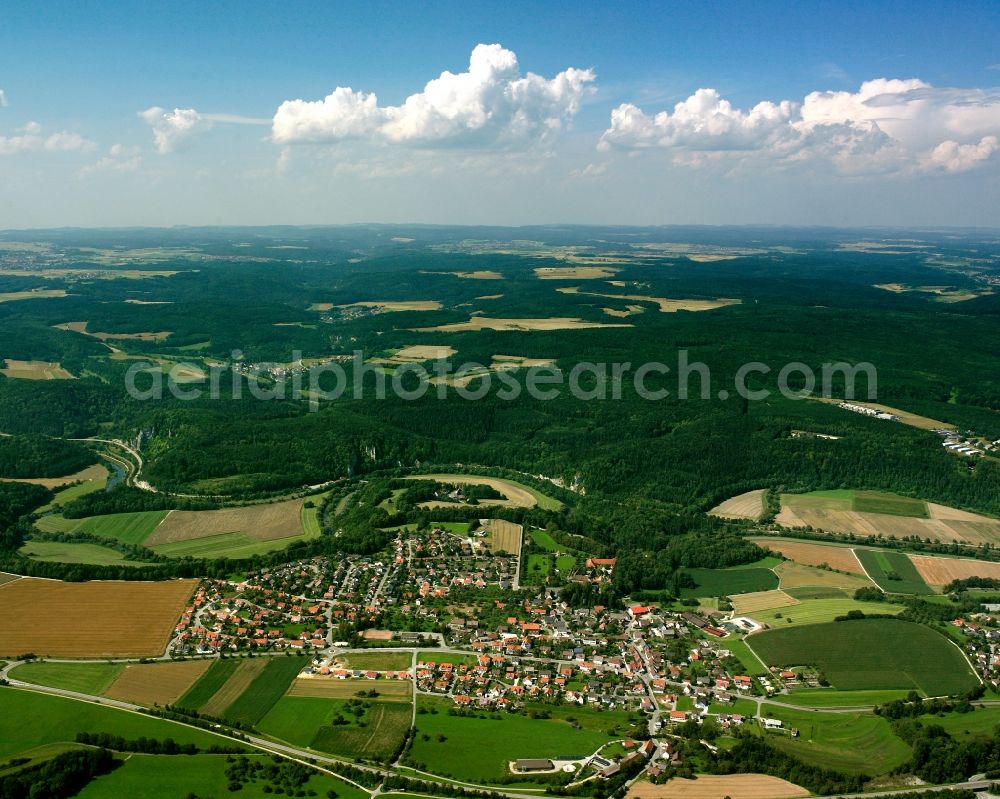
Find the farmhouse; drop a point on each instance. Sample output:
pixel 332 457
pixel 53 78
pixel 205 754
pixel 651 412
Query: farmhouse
pixel 527 765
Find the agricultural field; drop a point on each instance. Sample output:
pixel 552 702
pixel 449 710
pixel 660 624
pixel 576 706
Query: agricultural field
pixel 268 522
pixel 70 552
pixel 390 306
pixel 808 553
pixel 328 688
pixel 575 272
pixel 34 294
pixel 518 495
pixel 129 528
pixel 8 578
pixel 34 370
pixel 818 610
pixel 72 492
pixel 156 683
pixel 268 686
pixel 84 678
pixel 156 776
pixel 92 619
pixel 504 536
pixel 745 506
pixel 29 719
pixel 866 513
pixel 375 661
pixel 938 572
pixel 871 654
pixel 419 353
pixel 94 472
pixel 478 750
pixel 477 323
pixel 385 728
pixel 711 786
pixel 208 684
pixel 246 672
pixel 727 582
pixel 795 575
pixel 744 604
pixel 663 303
pixel 830 697
pixel 893 572
pixel 850 742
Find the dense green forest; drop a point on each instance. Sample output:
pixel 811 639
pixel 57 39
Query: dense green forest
pixel 36 456
pixel 644 470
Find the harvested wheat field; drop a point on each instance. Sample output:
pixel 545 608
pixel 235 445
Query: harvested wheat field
pixel 505 536
pixel 982 531
pixel 516 495
pixel 418 353
pixel 522 325
pixel 94 472
pixel 246 672
pixel 744 506
pixel 795 575
pixel 665 305
pixel 941 571
pixel 156 683
pixel 8 578
pixel 35 370
pixel 736 786
pixel 389 306
pixel 261 522
pixel 332 688
pixel 35 294
pixel 479 274
pixel 761 600
pixel 809 554
pixel 575 272
pixel 93 619
pixel 81 327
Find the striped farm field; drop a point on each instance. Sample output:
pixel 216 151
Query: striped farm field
pixel 92 619
pixel 264 522
pixel 809 553
pixel 267 687
pixel 209 683
pixel 761 600
pixel 745 506
pixel 156 683
pixel 941 571
pixel 893 572
pixel 711 786
pixel 245 673
pixel 795 575
pixel 129 528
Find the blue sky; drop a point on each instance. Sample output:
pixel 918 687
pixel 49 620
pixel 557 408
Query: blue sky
pixel 116 113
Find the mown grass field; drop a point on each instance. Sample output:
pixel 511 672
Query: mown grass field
pixel 893 572
pixel 29 719
pixel 157 776
pixel 67 495
pixel 892 504
pixel 69 552
pixel 479 750
pixel 85 678
pixel 851 742
pixel 825 697
pixel 130 528
pixel 377 661
pixel 385 727
pixel 726 582
pixel 819 611
pixel 226 545
pixel 751 663
pixel 871 654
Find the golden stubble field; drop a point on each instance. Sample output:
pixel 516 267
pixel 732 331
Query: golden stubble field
pixel 156 683
pixel 90 620
pixel 743 506
pixel 261 522
pixel 735 786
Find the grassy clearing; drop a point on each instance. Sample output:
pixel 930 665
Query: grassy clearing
pixel 479 750
pixel 266 689
pixel 84 678
pixel 871 654
pixel 67 495
pixel 68 552
pixel 893 572
pixel 857 743
pixel 726 582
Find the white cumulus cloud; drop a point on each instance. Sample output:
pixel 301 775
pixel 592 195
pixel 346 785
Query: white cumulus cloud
pixel 887 124
pixel 3 99
pixel 119 159
pixel 490 104
pixel 31 138
pixel 173 128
